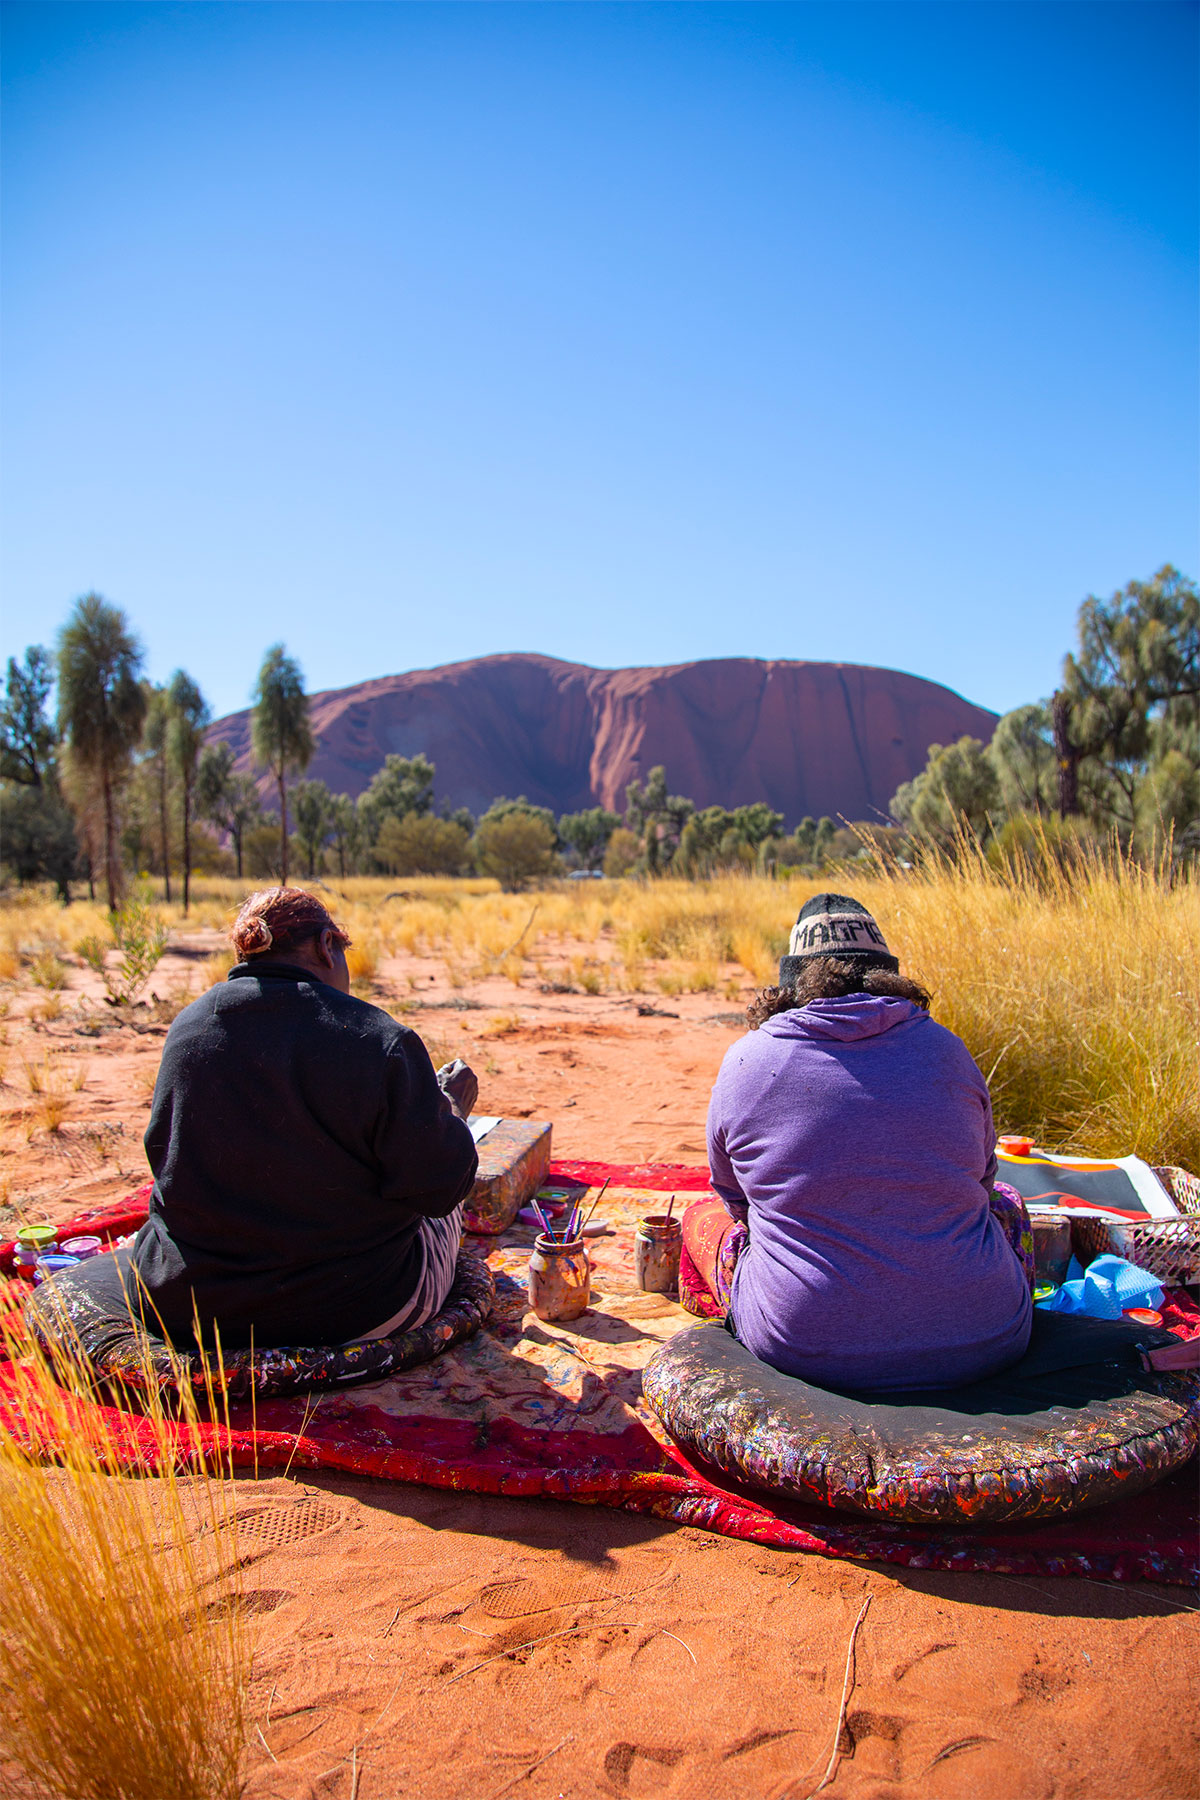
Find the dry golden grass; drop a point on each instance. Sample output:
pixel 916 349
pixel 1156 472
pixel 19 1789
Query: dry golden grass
pixel 123 1653
pixel 1078 993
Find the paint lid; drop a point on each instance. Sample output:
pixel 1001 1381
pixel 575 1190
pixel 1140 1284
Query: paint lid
pixel 1143 1315
pixel 1015 1146
pixel 82 1246
pixel 52 1265
pixel 38 1237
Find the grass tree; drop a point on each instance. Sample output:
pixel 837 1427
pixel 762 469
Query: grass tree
pixel 101 709
pixel 281 732
pixel 226 799
pixel 185 740
pixel 154 740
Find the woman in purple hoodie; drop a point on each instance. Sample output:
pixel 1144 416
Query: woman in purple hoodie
pixel 859 1239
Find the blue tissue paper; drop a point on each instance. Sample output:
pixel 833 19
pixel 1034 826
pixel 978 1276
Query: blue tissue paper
pixel 1108 1287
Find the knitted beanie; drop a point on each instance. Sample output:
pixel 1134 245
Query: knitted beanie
pixel 835 925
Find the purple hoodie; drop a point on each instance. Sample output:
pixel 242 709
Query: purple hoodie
pixel 859 1134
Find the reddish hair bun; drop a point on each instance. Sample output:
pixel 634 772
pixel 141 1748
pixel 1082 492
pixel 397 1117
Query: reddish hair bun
pixel 279 919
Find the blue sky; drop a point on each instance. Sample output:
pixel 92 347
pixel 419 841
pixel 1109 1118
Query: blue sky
pixel 629 334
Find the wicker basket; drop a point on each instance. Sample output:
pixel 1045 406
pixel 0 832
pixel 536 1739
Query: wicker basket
pixel 1166 1248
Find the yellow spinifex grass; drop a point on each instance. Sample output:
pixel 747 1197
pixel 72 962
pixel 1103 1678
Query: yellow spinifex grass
pixel 123 1651
pixel 1076 989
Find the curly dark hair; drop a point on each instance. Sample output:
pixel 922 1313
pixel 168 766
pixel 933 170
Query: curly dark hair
pixel 828 978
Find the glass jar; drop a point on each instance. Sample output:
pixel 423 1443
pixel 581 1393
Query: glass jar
pixel 560 1278
pixel 657 1241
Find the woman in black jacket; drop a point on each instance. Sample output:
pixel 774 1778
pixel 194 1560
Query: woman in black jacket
pixel 309 1166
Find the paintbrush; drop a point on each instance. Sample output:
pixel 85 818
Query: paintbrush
pixel 546 1226
pixel 595 1204
pixel 670 1209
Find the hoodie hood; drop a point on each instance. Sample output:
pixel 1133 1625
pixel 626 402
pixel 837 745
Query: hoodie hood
pixel 845 1021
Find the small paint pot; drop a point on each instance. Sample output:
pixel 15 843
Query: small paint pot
pixel 657 1241
pixel 1143 1315
pixel 560 1278
pixel 38 1238
pixel 1015 1146
pixel 52 1265
pixel 83 1247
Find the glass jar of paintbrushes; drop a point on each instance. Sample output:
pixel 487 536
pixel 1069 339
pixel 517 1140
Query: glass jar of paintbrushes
pixel 560 1273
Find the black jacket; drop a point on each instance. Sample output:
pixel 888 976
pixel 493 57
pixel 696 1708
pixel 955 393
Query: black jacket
pixel 297 1138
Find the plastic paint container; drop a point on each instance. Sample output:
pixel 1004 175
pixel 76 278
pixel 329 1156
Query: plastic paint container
pixel 83 1247
pixel 1143 1315
pixel 1015 1146
pixel 656 1244
pixel 52 1265
pixel 38 1237
pixel 32 1241
pixel 560 1278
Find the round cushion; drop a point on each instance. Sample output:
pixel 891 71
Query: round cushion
pixel 89 1323
pixel 1075 1424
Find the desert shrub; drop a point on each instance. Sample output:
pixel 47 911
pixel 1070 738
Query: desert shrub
pixel 419 844
pixel 140 937
pixel 123 1655
pixel 515 848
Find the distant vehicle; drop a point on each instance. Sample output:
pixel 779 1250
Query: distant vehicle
pixel 586 875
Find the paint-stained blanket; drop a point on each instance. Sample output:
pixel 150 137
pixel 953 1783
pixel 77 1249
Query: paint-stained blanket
pixel 527 1408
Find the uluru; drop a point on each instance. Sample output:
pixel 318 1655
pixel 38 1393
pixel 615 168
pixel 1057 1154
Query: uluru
pixel 806 737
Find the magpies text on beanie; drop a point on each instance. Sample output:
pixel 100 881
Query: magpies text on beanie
pixel 835 925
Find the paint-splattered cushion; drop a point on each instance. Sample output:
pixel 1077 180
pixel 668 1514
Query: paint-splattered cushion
pixel 1078 1422
pixel 83 1314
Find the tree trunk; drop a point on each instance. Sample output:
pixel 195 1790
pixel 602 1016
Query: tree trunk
pixel 1066 755
pixel 236 834
pixel 283 831
pixel 187 843
pixel 112 877
pixel 163 828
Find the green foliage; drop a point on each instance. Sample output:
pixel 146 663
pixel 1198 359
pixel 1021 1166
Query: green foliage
pixel 1022 754
pixel 588 834
pixel 188 714
pixel 1134 692
pixel 39 842
pixel 957 790
pixel 656 818
pixel 346 834
pixel 403 785
pixel 156 767
pixel 514 843
pixel 312 806
pixel 226 799
pixel 621 857
pixel 26 734
pixel 717 839
pixel 281 732
pixel 420 844
pixel 101 708
pixel 140 936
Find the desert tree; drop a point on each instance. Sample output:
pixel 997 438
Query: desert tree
pixel 226 799
pixel 26 734
pixel 1131 692
pixel 345 828
pixel 312 805
pixel 281 732
pixel 39 840
pixel 189 714
pixel 587 833
pixel 101 709
pixel 155 743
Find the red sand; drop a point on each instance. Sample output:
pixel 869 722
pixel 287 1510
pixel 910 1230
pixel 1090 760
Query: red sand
pixel 662 1661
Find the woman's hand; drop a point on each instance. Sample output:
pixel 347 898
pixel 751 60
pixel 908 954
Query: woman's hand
pixel 460 1084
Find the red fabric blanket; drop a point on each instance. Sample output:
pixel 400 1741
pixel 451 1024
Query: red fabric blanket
pixel 532 1409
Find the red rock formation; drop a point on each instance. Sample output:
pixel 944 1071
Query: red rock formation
pixel 806 737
